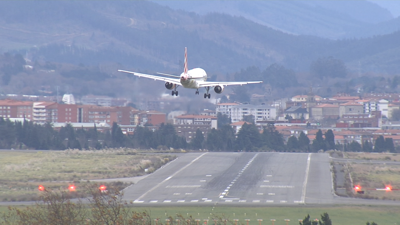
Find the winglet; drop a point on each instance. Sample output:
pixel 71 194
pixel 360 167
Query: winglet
pixel 186 64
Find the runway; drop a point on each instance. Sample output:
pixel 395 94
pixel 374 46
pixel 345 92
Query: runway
pixel 238 178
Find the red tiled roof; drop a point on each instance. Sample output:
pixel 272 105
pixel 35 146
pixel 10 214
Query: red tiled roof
pixel 195 116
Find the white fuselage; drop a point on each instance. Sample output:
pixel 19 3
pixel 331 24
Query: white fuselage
pixel 193 78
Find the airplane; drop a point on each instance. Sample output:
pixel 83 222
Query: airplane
pixel 195 78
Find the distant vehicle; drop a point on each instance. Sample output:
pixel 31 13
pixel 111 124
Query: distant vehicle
pixel 195 78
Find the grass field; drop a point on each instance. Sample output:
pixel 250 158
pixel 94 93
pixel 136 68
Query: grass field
pixel 22 172
pixel 376 176
pixel 340 215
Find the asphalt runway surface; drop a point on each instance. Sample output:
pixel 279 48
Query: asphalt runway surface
pixel 238 178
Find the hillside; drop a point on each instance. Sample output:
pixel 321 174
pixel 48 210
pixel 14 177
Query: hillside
pixel 145 36
pixel 328 18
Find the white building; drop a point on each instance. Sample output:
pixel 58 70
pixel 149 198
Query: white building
pixel 225 108
pixel 259 112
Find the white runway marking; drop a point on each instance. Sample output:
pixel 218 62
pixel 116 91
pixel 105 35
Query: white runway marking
pixel 256 201
pixel 194 200
pixel 203 181
pixel 270 201
pixel 208 175
pixel 283 201
pixel 180 201
pixel 167 201
pixel 271 193
pixel 152 189
pixel 303 196
pixel 266 181
pixel 269 175
pixel 136 201
pixel 188 193
pixel 242 200
pixel 276 186
pixel 239 174
pixel 153 201
pixel 177 194
pixel 208 200
pixel 260 193
pixel 183 186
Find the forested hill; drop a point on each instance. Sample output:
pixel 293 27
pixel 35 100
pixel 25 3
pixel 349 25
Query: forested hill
pixel 328 18
pixel 145 36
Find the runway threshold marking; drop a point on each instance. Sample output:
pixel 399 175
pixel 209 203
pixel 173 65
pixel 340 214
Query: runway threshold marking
pixel 303 195
pixel 158 185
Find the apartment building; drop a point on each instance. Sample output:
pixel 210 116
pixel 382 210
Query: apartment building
pixel 16 109
pixel 187 125
pixel 259 112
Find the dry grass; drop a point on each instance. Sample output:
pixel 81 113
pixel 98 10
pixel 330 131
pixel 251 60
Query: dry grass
pixel 373 156
pixel 23 172
pixel 377 176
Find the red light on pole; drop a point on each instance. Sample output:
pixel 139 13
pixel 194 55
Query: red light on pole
pixel 388 188
pixel 357 187
pixel 103 188
pixel 41 188
pixel 71 187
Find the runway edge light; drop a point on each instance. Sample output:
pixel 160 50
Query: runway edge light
pixel 41 188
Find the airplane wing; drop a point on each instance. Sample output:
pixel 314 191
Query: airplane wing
pixel 216 83
pixel 154 77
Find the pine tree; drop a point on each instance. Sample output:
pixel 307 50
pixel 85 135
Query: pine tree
pixel 304 142
pixel 248 138
pixel 379 144
pixel 292 143
pixel 319 142
pixel 330 140
pixel 389 146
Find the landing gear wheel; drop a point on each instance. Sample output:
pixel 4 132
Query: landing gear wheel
pixel 205 95
pixel 209 95
pixel 176 93
pixel 173 93
pixel 197 92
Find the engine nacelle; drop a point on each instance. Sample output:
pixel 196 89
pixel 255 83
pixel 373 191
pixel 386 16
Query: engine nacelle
pixel 218 89
pixel 169 85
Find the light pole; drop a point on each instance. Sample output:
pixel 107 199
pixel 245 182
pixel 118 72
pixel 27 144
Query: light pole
pixel 273 221
pixel 287 221
pixel 259 221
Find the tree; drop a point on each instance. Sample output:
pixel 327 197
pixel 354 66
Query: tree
pixel 279 76
pixel 319 142
pixel 367 146
pixel 197 141
pixel 214 141
pixel 329 139
pixel 248 138
pixel 307 221
pixel 272 139
pixel 292 143
pixel 223 119
pixel 328 67
pixel 325 220
pixel 389 146
pixel 248 118
pixel 373 223
pixel 354 146
pixel 304 142
pixel 117 137
pixel 227 134
pixel 379 144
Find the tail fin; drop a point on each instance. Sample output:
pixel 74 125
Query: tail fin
pixel 186 63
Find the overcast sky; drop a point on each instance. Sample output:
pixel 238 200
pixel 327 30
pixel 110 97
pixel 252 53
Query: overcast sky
pixel 392 5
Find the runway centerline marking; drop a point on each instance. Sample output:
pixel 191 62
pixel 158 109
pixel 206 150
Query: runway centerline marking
pixel 159 184
pixel 237 177
pixel 182 186
pixel 303 195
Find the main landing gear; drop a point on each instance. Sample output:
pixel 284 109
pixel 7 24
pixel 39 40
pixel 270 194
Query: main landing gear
pixel 207 94
pixel 174 93
pixel 197 92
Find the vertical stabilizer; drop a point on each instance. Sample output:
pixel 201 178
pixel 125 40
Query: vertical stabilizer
pixel 186 63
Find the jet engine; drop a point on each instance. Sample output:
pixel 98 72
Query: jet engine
pixel 218 89
pixel 169 85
